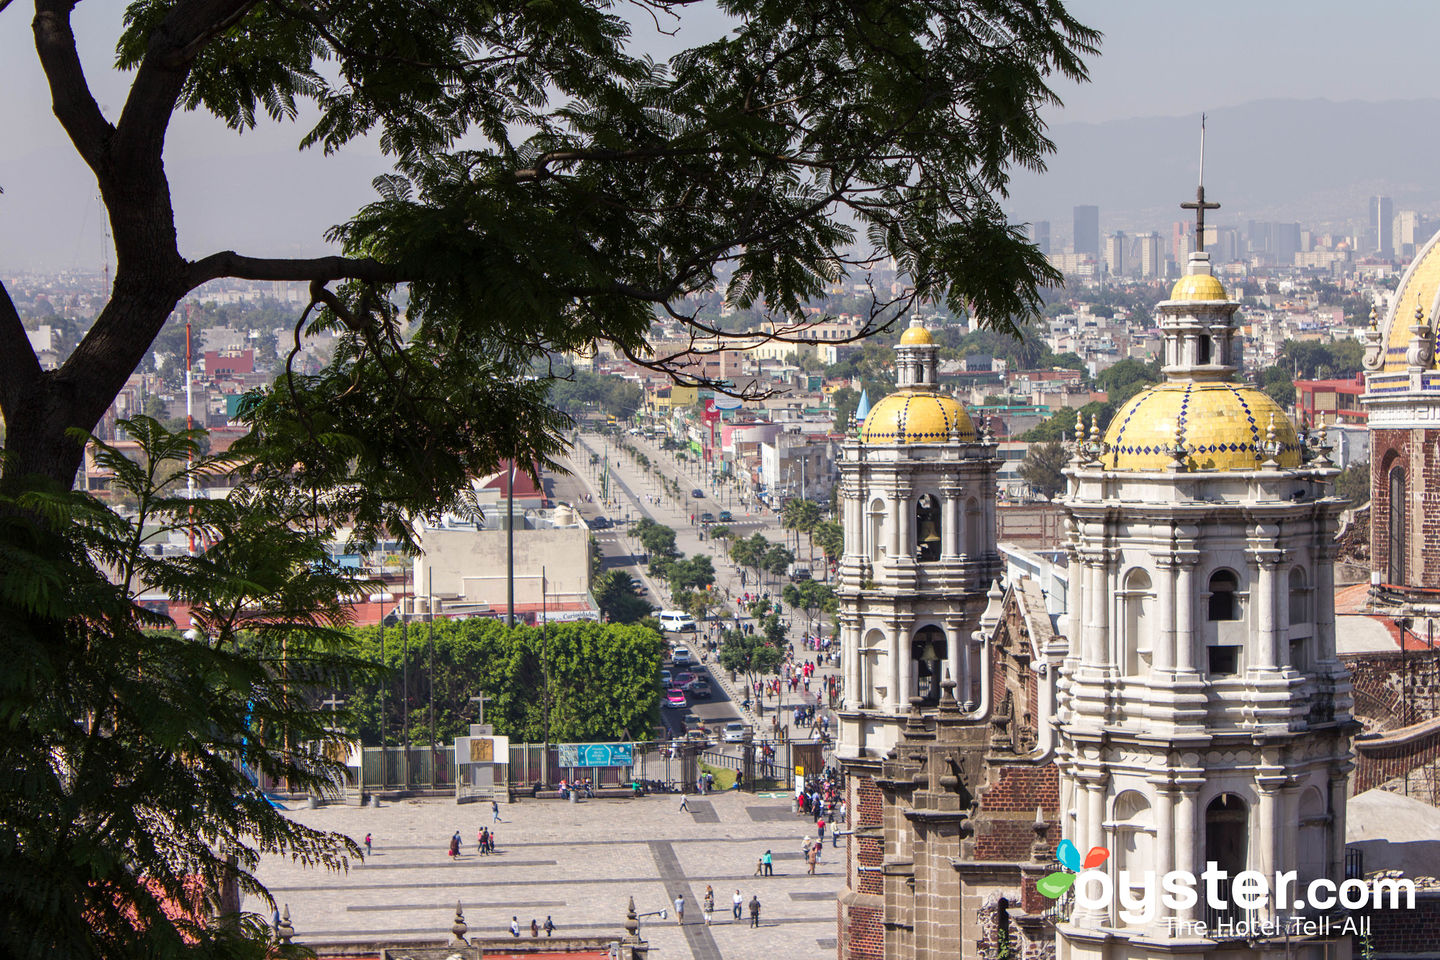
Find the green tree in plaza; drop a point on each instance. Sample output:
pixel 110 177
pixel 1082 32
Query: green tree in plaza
pixel 620 598
pixel 830 535
pixel 802 516
pixel 811 596
pixel 777 560
pixel 750 553
pixel 552 188
pixel 1279 384
pixel 751 655
pixel 1043 468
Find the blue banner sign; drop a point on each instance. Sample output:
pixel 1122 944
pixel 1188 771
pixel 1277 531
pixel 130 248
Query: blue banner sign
pixel 596 755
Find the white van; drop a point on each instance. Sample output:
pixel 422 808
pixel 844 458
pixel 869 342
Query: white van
pixel 677 621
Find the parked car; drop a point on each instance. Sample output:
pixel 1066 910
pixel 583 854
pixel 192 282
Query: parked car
pixel 726 516
pixel 675 697
pixel 680 656
pixel 698 494
pixel 735 733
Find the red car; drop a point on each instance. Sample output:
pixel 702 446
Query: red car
pixel 675 697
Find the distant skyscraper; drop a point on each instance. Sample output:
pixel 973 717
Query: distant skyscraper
pixel 1087 230
pixel 1381 225
pixel 1040 235
pixel 1150 265
pixel 1115 253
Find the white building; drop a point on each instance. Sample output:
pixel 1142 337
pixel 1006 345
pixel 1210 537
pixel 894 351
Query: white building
pixel 1204 718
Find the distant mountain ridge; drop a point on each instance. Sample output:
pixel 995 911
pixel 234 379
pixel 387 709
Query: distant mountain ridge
pixel 1313 161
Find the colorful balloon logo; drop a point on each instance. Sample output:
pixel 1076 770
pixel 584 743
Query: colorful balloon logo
pixel 1054 884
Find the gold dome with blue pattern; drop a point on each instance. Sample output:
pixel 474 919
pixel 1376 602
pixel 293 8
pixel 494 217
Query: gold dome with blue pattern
pixel 916 416
pixel 1222 425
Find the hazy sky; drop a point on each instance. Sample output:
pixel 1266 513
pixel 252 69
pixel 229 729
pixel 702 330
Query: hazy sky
pixel 256 193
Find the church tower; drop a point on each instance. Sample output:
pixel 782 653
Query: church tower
pixel 1203 715
pixel 1402 396
pixel 918 504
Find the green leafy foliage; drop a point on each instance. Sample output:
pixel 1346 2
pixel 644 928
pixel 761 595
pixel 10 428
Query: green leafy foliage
pixel 620 598
pixel 123 741
pixel 596 681
pixel 1042 468
pixel 1353 483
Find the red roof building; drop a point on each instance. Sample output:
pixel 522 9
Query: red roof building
pixel 1331 401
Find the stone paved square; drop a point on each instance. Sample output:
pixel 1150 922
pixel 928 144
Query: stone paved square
pixel 577 863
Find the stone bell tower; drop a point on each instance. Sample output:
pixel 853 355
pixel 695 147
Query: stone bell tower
pixel 1203 714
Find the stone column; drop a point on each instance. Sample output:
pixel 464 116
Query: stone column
pixel 1185 615
pixel 893 702
pixel 950 529
pixel 905 539
pixel 1267 631
pixel 1097 609
pixel 892 520
pixel 1163 640
pixel 1187 829
pixel 1336 867
pixel 850 653
pixel 1322 606
pixel 907 669
pixel 1164 849
pixel 1268 812
pixel 955 642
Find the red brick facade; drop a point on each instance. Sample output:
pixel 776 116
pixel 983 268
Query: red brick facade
pixel 1417 453
pixel 1404 933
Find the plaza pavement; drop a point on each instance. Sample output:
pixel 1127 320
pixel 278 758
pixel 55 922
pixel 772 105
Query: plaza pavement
pixel 579 863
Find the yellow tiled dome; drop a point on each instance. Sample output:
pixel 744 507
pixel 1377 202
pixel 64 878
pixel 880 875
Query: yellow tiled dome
pixel 912 416
pixel 916 335
pixel 1221 424
pixel 1418 287
pixel 1198 286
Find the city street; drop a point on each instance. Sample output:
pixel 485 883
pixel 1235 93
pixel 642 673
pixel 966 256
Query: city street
pixel 633 494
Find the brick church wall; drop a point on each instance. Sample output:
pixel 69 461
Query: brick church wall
pixel 1405 933
pixel 1394 689
pixel 1418 451
pixel 1006 830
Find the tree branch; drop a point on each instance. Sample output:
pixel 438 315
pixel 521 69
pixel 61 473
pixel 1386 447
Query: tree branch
pixel 20 368
pixel 228 263
pixel 70 96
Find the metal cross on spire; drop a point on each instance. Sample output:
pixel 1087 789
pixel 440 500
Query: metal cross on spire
pixel 1199 205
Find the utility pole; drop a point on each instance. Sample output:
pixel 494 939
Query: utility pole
pixel 510 547
pixel 430 629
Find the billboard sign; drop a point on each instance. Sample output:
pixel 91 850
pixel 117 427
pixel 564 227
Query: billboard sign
pixel 596 754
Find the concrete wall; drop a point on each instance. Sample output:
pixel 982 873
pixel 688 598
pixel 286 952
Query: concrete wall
pixel 471 564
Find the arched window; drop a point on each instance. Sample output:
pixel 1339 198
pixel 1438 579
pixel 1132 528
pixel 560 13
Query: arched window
pixel 919 373
pixel 877 528
pixel 872 648
pixel 1227 835
pixel 1299 597
pixel 927 528
pixel 1224 604
pixel 1134 837
pixel 1313 848
pixel 929 651
pixel 1395 572
pixel 1137 599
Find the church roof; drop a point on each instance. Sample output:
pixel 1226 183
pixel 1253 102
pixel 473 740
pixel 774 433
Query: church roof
pixel 1221 424
pixel 1419 287
pixel 916 416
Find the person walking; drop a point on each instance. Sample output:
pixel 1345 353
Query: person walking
pixel 549 926
pixel 736 903
pixel 810 859
pixel 534 928
pixel 495 811
pixel 755 910
pixel 455 845
pixel 769 862
pixel 707 906
pixel 367 844
pixel 684 803
pixel 679 908
pixel 515 927
pixel 820 826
